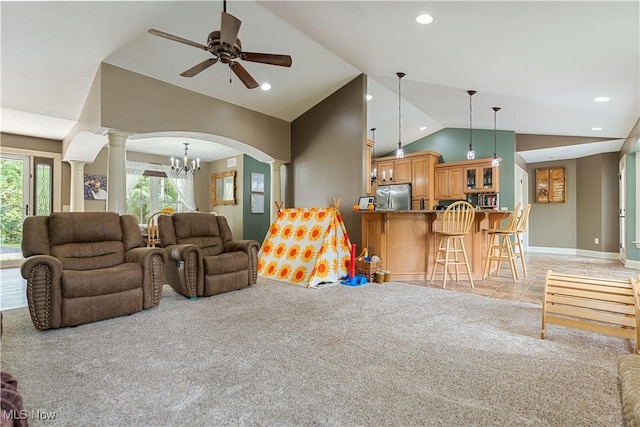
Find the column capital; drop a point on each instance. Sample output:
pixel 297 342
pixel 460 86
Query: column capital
pixel 117 138
pixel 276 163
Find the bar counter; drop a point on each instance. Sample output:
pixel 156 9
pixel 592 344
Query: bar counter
pixel 407 244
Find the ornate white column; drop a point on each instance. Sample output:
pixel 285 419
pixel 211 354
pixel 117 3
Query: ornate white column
pixel 117 172
pixel 77 186
pixel 276 185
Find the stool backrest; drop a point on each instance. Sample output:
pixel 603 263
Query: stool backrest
pixel 458 218
pixel 513 219
pixel 524 219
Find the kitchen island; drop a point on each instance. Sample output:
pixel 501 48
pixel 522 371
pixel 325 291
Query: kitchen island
pixel 407 244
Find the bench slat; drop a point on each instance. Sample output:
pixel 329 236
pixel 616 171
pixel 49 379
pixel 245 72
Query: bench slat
pixel 605 306
pixel 593 327
pixel 624 308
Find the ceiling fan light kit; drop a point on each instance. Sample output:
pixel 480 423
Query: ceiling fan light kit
pixel 226 47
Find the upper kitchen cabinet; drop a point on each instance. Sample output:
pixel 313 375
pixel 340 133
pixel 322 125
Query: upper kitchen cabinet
pixel 481 177
pixel 448 182
pixel 422 180
pixel 394 171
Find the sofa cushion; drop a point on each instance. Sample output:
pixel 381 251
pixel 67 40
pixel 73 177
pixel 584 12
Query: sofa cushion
pixel 89 256
pixel 102 281
pixel 76 227
pixel 200 229
pixel 228 262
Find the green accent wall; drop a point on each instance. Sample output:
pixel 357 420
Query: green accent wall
pixel 255 225
pixel 453 143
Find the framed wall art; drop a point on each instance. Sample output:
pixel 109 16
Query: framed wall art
pixel 551 185
pixel 257 182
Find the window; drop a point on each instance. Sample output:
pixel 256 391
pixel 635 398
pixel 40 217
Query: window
pixel 152 192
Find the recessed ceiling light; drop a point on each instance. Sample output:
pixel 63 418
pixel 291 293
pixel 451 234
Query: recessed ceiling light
pixel 596 129
pixel 265 86
pixel 423 128
pixel 424 19
pixel 601 99
pixel 369 97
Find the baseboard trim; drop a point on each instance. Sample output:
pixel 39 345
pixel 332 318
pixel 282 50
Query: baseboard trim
pixel 549 250
pixel 596 254
pixel 574 251
pixel 630 263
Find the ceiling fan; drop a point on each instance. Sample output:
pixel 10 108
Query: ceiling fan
pixel 225 46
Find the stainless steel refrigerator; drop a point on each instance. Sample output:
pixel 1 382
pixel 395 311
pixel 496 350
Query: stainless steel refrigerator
pixel 395 196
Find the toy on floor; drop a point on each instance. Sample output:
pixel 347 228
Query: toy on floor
pixel 352 279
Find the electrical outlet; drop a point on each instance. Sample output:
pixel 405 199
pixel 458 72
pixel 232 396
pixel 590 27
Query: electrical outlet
pixel 596 241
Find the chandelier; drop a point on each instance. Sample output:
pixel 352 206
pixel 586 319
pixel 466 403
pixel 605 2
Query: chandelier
pixel 470 153
pixel 177 168
pixel 400 151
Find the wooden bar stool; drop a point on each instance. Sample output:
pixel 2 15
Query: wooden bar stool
pixel 521 228
pixel 456 223
pixel 500 247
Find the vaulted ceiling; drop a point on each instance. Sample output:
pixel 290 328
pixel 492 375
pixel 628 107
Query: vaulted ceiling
pixel 543 62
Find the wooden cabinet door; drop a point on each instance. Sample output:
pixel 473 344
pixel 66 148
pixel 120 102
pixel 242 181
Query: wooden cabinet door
pixel 456 183
pixel 385 170
pixel 441 177
pixel 420 178
pixel 449 183
pixel 402 171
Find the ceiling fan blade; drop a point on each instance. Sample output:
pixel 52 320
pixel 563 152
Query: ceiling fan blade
pixel 243 75
pixel 199 67
pixel 177 39
pixel 267 58
pixel 229 29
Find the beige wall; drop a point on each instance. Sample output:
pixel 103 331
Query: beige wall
pixel 328 146
pixel 590 211
pixel 233 213
pixel 139 104
pixel 598 200
pixel 553 225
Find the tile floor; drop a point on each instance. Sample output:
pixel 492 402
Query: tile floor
pixel 530 288
pixel 502 286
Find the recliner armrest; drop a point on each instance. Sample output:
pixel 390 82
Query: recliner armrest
pixel 143 254
pixel 44 291
pixel 179 252
pixel 241 245
pixel 152 261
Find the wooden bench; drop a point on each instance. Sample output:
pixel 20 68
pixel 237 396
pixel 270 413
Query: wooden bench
pixel 605 306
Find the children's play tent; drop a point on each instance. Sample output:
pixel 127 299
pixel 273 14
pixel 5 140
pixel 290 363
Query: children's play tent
pixel 305 247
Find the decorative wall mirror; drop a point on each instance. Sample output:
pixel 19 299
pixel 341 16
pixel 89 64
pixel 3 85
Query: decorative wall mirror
pixel 223 188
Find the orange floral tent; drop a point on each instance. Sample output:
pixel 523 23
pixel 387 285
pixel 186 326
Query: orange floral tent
pixel 306 247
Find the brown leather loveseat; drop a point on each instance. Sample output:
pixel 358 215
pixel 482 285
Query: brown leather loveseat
pixel 82 267
pixel 203 259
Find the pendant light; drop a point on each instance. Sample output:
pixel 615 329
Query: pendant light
pixel 400 151
pixel 374 171
pixel 470 153
pixel 495 162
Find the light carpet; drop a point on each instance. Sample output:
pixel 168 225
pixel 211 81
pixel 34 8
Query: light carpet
pixel 280 355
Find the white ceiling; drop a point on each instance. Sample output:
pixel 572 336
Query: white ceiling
pixel 543 62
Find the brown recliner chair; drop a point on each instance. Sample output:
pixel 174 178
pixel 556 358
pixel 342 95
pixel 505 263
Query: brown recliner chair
pixel 202 257
pixel 82 267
